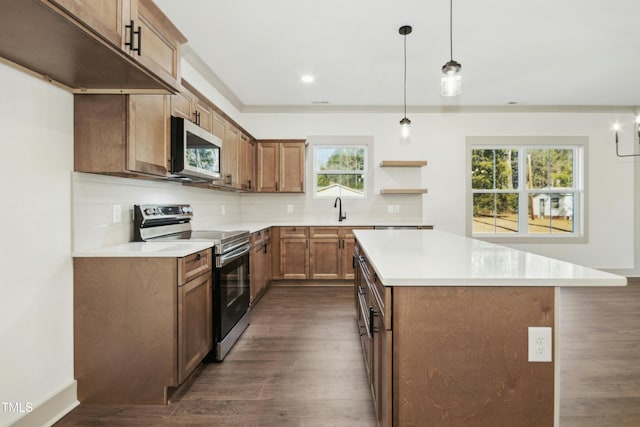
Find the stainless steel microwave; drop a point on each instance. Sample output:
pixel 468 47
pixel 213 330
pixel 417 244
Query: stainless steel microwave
pixel 195 152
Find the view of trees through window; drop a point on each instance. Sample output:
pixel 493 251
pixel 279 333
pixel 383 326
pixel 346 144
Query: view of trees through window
pixel 340 171
pixel 510 182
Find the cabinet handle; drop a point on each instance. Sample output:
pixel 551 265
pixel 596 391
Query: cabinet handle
pixel 198 257
pixel 130 28
pixel 228 181
pixel 372 314
pixel 276 185
pixel 265 249
pixel 139 34
pixel 301 186
pixel 353 262
pixel 249 184
pixel 198 118
pixel 306 243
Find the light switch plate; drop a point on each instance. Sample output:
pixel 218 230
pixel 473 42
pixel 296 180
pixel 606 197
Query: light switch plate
pixel 540 344
pixel 289 208
pixel 117 214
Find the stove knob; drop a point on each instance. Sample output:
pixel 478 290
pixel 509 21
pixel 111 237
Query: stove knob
pixel 148 211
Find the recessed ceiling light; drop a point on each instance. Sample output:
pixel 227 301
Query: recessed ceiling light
pixel 307 78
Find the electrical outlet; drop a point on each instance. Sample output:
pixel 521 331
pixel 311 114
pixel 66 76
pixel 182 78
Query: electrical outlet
pixel 289 208
pixel 117 214
pixel 540 344
pixel 396 209
pixel 389 208
pixel 223 209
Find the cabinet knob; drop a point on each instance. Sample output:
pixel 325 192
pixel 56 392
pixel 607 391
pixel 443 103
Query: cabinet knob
pixel 198 257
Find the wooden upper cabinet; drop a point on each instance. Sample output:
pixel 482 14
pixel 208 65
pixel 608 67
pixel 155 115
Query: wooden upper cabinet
pixel 281 166
pixel 91 46
pixel 122 134
pixel 230 156
pixel 218 125
pixel 247 151
pixel 268 166
pixel 105 17
pixel 292 167
pixel 190 107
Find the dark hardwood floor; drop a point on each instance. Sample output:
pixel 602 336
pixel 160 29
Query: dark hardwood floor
pixel 300 364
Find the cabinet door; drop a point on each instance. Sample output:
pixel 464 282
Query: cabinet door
pixel 268 166
pixel 294 258
pixel 230 155
pixel 203 115
pixel 324 258
pixel 255 271
pixel 195 317
pixel 105 17
pixel 346 259
pixel 149 139
pixel 381 370
pixel 292 167
pixel 246 164
pixel 156 42
pixel 181 105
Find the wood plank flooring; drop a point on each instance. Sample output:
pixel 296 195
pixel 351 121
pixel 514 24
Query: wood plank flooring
pixel 600 357
pixel 299 364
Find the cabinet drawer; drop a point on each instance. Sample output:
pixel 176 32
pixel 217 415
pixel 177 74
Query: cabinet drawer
pixel 194 265
pixel 324 232
pixel 294 232
pixel 256 238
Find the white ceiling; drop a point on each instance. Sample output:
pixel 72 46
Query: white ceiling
pixel 537 53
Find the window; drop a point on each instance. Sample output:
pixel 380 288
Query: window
pixel 526 190
pixel 340 171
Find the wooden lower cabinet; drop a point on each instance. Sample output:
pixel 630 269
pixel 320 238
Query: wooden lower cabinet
pixel 454 355
pixel 260 264
pixel 327 253
pixel 195 323
pixel 141 325
pixel 294 258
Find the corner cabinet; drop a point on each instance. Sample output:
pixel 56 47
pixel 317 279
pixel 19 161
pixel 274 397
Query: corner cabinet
pixel 141 325
pixel 94 46
pixel 125 135
pixel 280 166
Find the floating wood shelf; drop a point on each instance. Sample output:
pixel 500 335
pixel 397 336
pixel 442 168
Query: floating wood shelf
pixel 403 191
pixel 403 163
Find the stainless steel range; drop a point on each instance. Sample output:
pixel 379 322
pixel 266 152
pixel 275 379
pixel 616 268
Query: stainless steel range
pixel 160 223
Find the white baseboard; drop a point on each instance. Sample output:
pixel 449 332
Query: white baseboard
pixel 50 410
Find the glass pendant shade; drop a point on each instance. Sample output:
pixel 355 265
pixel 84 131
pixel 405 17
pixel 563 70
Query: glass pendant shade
pixel 451 82
pixel 405 128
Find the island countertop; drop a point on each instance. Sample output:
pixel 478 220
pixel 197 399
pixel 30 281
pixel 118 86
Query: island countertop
pixel 438 258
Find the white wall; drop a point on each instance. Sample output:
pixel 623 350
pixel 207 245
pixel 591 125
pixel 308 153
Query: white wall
pixel 95 195
pixel 440 139
pixel 36 305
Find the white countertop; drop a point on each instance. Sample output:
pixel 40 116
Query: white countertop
pixel 437 258
pixel 146 249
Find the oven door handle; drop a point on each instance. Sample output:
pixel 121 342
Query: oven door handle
pixel 225 259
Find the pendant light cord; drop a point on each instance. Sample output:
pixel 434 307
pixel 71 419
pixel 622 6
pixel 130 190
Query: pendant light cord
pixel 405 75
pixel 451 28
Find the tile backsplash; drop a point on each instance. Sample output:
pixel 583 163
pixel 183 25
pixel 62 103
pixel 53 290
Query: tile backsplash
pixel 94 198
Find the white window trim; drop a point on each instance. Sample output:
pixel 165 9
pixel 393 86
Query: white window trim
pixel 368 179
pixel 580 184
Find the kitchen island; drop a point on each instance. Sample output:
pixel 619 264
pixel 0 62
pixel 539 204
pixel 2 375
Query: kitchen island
pixel 444 322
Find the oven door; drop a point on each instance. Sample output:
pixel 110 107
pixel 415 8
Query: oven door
pixel 230 290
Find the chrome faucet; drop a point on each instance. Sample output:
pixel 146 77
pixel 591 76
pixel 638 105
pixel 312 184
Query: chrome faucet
pixel 340 216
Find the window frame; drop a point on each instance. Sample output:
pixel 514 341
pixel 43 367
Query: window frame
pixel 579 146
pixel 365 172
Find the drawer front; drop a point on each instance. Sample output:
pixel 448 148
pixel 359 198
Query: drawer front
pixel 324 232
pixel 256 238
pixel 194 265
pixel 294 232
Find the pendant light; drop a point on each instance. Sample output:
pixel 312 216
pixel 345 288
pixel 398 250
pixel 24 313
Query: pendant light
pixel 451 82
pixel 616 128
pixel 405 122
